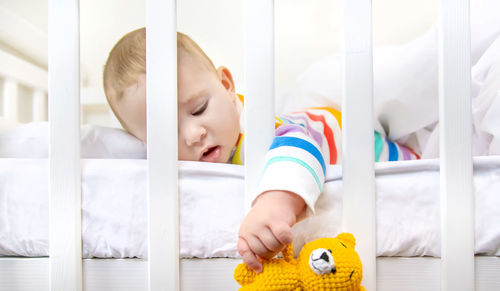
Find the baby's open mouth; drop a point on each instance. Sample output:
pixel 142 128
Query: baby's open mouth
pixel 212 154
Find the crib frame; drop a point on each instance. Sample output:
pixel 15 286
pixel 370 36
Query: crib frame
pixel 15 72
pixel 164 270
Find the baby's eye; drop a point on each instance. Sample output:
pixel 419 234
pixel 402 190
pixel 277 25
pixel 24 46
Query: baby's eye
pixel 201 109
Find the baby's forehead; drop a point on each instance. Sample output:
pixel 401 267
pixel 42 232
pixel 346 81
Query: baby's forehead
pixel 195 80
pixel 195 60
pixel 193 97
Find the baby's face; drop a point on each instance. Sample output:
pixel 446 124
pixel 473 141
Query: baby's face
pixel 207 113
pixel 208 118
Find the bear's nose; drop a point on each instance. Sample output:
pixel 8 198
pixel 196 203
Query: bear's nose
pixel 324 256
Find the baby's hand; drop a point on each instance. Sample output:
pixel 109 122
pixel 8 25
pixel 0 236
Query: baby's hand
pixel 266 229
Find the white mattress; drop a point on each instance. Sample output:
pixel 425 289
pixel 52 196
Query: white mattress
pixel 211 208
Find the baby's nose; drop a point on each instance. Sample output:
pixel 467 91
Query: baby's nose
pixel 195 135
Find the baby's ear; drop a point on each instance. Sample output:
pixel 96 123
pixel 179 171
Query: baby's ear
pixel 347 238
pixel 226 78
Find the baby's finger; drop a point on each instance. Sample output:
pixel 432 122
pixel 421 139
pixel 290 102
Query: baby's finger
pixel 282 231
pixel 257 247
pixel 272 244
pixel 248 256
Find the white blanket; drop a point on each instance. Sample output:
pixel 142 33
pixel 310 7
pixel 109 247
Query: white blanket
pixel 405 84
pixel 211 208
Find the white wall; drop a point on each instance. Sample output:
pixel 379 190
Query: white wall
pixel 306 30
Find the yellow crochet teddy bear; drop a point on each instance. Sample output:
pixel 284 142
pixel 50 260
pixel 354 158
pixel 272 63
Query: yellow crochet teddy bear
pixel 323 264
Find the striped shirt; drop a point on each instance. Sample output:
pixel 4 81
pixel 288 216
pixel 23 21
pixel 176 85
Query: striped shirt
pixel 305 142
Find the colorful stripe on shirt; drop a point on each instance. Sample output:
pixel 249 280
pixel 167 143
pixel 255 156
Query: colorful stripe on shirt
pixel 323 125
pixel 280 141
pixel 305 142
pixel 387 150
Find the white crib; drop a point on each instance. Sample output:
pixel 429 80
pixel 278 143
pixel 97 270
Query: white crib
pixel 457 269
pixel 16 73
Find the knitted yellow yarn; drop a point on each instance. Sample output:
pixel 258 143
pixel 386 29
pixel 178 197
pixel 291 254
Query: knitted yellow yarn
pixel 323 264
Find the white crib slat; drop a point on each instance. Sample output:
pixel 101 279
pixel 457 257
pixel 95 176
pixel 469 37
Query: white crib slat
pixel 64 149
pixel 39 105
pixel 163 199
pixel 10 107
pixel 457 201
pixel 259 88
pixel 357 134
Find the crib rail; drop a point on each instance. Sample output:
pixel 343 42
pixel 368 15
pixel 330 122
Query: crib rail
pixel 163 197
pixel 65 247
pixel 358 173
pixel 259 88
pixel 457 200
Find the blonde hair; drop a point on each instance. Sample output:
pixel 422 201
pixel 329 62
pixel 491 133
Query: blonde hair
pixel 127 61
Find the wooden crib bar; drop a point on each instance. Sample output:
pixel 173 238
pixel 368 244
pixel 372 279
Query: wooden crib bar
pixel 163 196
pixel 65 248
pixel 457 199
pixel 259 88
pixel 358 210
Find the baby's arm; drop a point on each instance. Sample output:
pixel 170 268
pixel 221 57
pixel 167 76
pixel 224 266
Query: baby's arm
pixel 266 229
pixel 291 183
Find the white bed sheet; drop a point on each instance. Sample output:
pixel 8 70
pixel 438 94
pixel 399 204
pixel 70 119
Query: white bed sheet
pixel 211 208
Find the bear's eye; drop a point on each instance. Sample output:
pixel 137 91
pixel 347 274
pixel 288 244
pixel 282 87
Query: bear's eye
pixel 344 245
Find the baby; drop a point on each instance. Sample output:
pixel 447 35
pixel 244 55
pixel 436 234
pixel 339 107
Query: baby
pixel 209 120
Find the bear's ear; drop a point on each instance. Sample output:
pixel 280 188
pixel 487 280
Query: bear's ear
pixel 347 239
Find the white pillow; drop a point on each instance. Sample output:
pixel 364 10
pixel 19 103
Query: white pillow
pixel 405 86
pixel 31 140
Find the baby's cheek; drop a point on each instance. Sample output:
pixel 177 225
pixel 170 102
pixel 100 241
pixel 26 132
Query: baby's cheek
pixel 229 125
pixel 183 153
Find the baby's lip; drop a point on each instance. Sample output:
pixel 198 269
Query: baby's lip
pixel 211 154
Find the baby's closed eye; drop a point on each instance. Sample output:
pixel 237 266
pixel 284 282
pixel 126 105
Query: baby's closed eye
pixel 200 109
